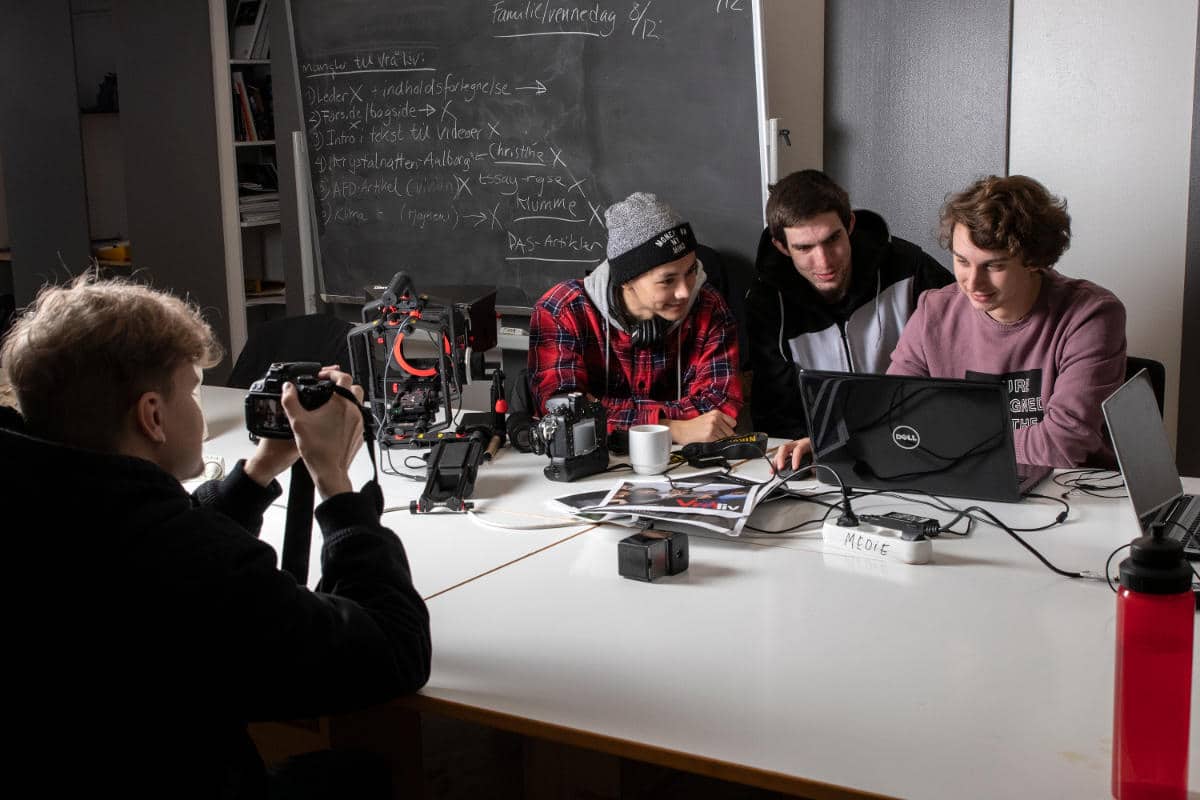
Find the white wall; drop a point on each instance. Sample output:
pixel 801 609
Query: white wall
pixel 794 41
pixel 1102 95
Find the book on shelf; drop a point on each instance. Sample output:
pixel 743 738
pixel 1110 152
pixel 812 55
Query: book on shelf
pixel 260 217
pixel 241 108
pixel 254 105
pixel 708 502
pixel 259 96
pixel 261 202
pixel 247 19
pixel 261 49
pixel 259 208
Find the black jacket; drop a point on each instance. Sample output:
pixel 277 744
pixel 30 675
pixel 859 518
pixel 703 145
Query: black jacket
pixel 791 327
pixel 148 626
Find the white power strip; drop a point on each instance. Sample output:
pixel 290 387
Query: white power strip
pixel 872 541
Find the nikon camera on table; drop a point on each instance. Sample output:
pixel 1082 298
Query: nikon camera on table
pixel 574 433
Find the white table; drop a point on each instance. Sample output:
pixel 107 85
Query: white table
pixel 443 549
pixel 770 662
pixel 981 675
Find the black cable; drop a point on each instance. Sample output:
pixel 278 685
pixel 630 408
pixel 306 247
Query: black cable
pixel 1089 481
pixel 1011 532
pixel 391 468
pixel 793 529
pixel 936 502
pixel 933 502
pixel 808 498
pixel 1059 520
pixel 994 520
pixel 782 490
pixel 1108 566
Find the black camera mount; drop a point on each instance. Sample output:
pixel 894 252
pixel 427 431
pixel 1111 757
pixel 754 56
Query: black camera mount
pixel 413 399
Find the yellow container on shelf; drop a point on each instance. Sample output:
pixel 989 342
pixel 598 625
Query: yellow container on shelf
pixel 116 252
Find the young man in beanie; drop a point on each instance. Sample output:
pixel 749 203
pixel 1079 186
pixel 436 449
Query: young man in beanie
pixel 642 333
pixel 833 291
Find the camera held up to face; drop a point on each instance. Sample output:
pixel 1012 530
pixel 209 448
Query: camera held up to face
pixel 265 417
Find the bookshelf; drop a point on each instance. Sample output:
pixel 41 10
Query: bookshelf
pixel 248 164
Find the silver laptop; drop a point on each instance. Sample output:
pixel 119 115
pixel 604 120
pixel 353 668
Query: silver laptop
pixel 1148 466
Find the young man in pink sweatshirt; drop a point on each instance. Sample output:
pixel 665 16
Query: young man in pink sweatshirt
pixel 1058 342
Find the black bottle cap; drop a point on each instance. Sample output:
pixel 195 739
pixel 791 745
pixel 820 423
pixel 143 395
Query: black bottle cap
pixel 1156 566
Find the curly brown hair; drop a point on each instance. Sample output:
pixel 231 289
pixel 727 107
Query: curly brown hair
pixel 1015 215
pixel 81 354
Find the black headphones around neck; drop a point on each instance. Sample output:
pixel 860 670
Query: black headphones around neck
pixel 643 333
pixel 646 333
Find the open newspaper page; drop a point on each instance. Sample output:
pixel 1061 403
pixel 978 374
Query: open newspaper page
pixel 710 501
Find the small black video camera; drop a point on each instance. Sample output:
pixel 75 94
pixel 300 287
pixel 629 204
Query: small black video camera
pixel 265 416
pixel 574 434
pixel 645 558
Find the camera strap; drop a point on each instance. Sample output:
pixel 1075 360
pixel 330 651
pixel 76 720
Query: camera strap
pixel 297 530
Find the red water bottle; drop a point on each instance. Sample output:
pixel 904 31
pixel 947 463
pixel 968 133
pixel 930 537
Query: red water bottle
pixel 1155 617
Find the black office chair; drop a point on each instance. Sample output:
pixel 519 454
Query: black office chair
pixel 314 337
pixel 714 269
pixel 1155 371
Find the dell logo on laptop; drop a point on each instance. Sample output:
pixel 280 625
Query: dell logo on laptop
pixel 906 437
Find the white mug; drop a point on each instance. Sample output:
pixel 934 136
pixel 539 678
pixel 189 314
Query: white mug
pixel 649 449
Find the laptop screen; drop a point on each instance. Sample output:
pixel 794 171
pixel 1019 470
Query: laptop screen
pixel 1143 451
pixel 945 437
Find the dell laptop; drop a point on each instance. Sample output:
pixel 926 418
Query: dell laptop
pixel 901 433
pixel 1148 466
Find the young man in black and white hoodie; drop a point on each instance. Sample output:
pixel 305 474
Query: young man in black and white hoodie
pixel 833 291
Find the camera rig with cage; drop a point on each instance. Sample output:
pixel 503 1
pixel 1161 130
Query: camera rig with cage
pixel 413 399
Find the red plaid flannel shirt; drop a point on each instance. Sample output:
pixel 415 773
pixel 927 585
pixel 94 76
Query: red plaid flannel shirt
pixel 566 353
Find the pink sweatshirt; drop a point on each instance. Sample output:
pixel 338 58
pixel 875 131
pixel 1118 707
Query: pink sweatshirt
pixel 1060 361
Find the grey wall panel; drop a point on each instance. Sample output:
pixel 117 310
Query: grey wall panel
pixel 172 182
pixel 41 145
pixel 916 104
pixel 1187 450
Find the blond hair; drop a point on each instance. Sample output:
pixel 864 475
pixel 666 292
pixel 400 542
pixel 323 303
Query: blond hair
pixel 80 355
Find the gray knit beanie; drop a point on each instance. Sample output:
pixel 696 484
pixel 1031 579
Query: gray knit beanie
pixel 644 233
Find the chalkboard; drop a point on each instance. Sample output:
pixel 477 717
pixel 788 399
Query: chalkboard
pixel 479 141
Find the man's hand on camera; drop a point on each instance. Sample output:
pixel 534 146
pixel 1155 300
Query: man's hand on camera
pixel 707 427
pixel 328 437
pixel 271 459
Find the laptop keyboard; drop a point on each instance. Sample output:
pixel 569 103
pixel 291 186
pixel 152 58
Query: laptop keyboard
pixel 1186 515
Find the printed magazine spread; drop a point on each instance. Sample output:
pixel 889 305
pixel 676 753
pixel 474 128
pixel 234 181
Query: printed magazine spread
pixel 707 501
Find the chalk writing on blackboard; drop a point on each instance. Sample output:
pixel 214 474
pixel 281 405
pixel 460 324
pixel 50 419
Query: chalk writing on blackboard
pixel 485 138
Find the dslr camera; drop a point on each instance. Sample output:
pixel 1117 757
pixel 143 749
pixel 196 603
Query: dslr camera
pixel 574 433
pixel 265 417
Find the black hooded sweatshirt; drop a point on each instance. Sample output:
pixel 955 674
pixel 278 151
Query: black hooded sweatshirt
pixel 792 328
pixel 147 626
